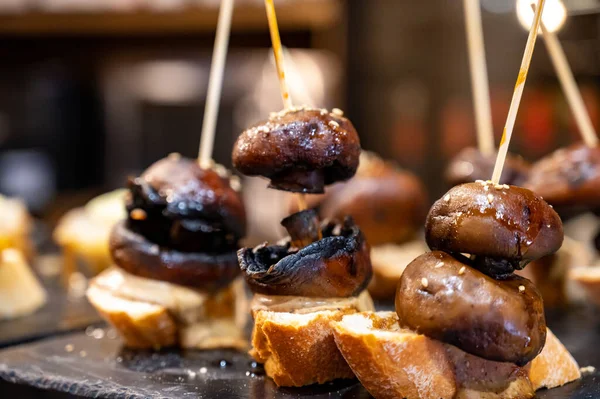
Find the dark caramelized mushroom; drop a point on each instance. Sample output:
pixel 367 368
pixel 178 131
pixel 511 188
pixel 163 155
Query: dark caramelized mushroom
pixel 470 165
pixel 388 208
pixel 303 227
pixel 299 150
pixel 444 298
pixel 338 265
pixel 137 255
pixel 505 227
pixel 568 177
pixel 177 204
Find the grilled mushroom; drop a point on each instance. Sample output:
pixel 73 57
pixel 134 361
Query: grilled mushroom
pixel 137 255
pixel 568 177
pixel 443 297
pixel 504 227
pixel 337 265
pixel 177 204
pixel 299 150
pixel 470 165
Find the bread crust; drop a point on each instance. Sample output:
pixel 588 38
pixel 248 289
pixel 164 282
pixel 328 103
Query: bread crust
pixel 150 327
pixel 589 279
pixel 153 325
pixel 395 363
pixel 554 366
pixel 299 349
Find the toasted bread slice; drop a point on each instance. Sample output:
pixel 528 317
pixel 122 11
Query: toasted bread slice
pixel 554 366
pixel 550 273
pixel 20 291
pixel 154 314
pixel 297 345
pixel 15 225
pixel 395 363
pixel 140 324
pixel 589 279
pixel 389 261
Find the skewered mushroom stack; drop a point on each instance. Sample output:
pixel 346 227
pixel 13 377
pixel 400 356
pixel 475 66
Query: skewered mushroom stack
pixel 320 272
pixel 478 304
pixel 465 325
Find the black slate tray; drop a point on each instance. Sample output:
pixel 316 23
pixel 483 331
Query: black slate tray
pixel 94 364
pixel 61 314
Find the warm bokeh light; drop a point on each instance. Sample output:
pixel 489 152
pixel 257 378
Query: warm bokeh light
pixel 555 14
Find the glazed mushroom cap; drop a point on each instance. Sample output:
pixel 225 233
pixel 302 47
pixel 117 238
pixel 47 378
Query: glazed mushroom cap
pixel 470 165
pixel 338 265
pixel 446 299
pixel 388 209
pixel 177 204
pixel 568 177
pixel 137 255
pixel 505 227
pixel 299 150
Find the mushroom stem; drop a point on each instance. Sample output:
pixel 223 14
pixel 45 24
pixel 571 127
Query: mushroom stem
pixel 303 228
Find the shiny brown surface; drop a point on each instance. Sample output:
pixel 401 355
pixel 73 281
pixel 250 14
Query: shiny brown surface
pixel 505 228
pixel 186 207
pixel 338 265
pixel 568 177
pixel 388 208
pixel 500 320
pixel 137 255
pixel 470 165
pixel 300 150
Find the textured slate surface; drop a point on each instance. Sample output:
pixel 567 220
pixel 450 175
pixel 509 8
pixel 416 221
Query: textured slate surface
pixel 61 314
pixel 93 364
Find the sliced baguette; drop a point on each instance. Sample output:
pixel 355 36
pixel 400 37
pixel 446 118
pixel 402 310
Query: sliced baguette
pixel 140 324
pixel 20 291
pixel 553 367
pixel 589 279
pixel 297 345
pixel 395 363
pixel 298 349
pixel 154 314
pixel 389 261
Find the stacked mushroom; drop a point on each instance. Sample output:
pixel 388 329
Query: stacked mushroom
pixel 320 272
pixel 569 179
pixel 176 259
pixel 477 303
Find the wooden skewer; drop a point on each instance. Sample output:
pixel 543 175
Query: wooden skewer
pixel 215 84
pixel 283 87
pixel 479 77
pixel 517 93
pixel 567 81
pixel 276 43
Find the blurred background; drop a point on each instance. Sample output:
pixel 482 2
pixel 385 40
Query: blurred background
pixel 92 91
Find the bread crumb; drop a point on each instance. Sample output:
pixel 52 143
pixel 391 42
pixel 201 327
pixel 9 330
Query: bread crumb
pixel 521 288
pixel 424 282
pixel 490 198
pixel 587 370
pixel 439 264
pixel 447 197
pixel 486 188
pixel 83 353
pixel 69 348
pixel 337 112
pixel 333 124
pixel 506 186
pixel 462 270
